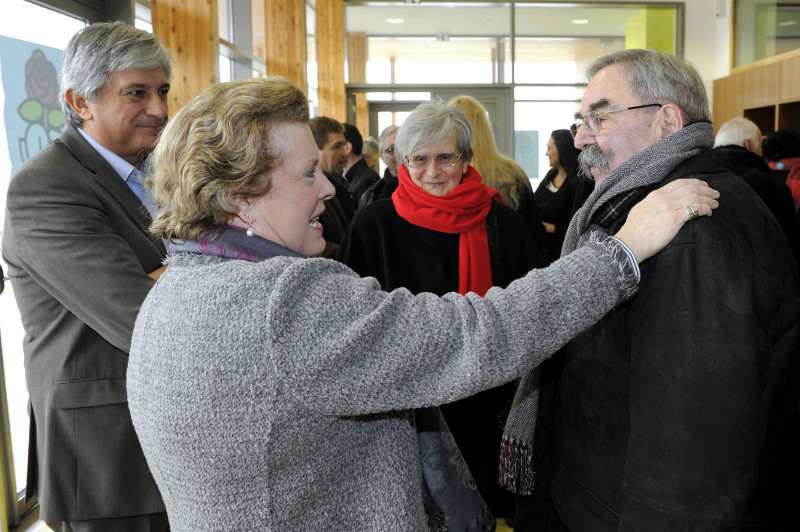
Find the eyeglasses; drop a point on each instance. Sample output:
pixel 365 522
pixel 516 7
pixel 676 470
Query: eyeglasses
pixel 593 121
pixel 443 160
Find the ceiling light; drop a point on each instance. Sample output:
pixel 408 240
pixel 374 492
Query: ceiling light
pixel 395 20
pixel 580 21
pixel 787 23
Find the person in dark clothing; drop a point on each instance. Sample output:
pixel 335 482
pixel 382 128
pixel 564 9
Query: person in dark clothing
pixel 358 175
pixel 340 209
pixel 679 409
pixel 781 150
pixel 385 187
pixel 555 195
pixel 740 140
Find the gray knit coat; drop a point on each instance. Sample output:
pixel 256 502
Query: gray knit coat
pixel 273 395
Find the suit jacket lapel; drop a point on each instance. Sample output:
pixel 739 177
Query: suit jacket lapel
pixel 109 179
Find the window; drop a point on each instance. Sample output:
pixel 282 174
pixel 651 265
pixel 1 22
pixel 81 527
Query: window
pixel 241 36
pixel 764 28
pixel 538 49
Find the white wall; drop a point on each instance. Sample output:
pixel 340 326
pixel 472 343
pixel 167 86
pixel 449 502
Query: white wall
pixel 707 39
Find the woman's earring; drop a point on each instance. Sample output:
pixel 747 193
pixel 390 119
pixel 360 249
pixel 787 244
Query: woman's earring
pixel 249 231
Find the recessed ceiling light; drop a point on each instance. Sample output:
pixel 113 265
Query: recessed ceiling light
pixel 580 21
pixel 395 20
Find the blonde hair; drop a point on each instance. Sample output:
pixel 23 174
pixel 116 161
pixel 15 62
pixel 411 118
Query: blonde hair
pixel 219 146
pixel 499 172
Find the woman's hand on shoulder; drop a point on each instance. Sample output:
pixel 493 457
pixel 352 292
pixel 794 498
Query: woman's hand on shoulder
pixel 654 221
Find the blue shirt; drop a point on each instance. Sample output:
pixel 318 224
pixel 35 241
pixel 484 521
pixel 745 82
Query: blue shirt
pixel 129 173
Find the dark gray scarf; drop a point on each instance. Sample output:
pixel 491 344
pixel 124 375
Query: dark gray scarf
pixel 613 197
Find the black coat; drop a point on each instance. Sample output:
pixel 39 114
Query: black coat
pixel 381 244
pixel 359 178
pixel 383 189
pixel 679 409
pixel 773 192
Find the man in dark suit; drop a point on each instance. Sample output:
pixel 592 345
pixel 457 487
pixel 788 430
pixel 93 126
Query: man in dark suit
pixel 81 262
pixel 357 172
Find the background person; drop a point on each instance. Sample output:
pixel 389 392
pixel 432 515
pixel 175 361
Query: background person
pixel 555 195
pixel 269 390
pixel 339 209
pixel 78 251
pixel 781 149
pixel 386 186
pixel 357 172
pixel 740 140
pixel 371 152
pixel 500 172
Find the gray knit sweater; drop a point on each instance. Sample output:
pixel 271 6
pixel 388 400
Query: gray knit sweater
pixel 272 395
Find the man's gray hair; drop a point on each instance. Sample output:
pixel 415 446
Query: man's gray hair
pixel 99 50
pixel 385 133
pixel 737 130
pixel 656 77
pixel 433 122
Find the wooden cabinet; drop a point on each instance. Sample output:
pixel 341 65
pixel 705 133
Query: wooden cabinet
pixel 767 92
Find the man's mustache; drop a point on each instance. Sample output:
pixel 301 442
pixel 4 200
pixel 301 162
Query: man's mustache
pixel 592 156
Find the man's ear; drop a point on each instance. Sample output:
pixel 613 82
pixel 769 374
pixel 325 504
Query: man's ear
pixel 748 145
pixel 79 104
pixel 348 148
pixel 671 120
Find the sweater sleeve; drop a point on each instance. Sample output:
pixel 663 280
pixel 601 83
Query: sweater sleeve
pixel 365 351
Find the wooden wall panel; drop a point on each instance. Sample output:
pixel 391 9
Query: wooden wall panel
pixel 258 19
pixel 761 85
pixel 330 59
pixel 767 90
pixel 189 29
pixel 285 25
pixel 790 78
pixel 357 73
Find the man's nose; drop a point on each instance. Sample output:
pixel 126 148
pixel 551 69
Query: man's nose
pixel 582 137
pixel 156 106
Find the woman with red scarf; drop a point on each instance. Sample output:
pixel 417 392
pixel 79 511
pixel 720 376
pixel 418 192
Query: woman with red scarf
pixel 444 231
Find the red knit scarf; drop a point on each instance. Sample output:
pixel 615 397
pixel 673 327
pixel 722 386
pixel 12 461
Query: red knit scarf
pixel 462 211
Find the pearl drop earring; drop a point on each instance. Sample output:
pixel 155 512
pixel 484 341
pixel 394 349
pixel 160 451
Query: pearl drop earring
pixel 249 231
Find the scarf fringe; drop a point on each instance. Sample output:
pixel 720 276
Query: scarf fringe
pixel 516 469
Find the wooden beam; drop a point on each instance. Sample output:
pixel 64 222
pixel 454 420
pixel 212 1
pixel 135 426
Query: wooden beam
pixel 285 24
pixel 357 73
pixel 330 59
pixel 189 29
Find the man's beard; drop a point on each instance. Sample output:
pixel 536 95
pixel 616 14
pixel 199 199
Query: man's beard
pixel 592 156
